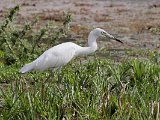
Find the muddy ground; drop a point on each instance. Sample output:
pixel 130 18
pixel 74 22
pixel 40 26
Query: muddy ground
pixel 135 22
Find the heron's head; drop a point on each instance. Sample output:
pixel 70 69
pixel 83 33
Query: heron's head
pixel 103 33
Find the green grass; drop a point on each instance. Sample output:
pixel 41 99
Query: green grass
pixel 97 89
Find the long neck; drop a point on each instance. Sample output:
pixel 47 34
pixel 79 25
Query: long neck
pixel 92 41
pixel 92 45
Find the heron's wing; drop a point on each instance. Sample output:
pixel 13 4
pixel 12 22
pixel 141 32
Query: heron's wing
pixel 54 57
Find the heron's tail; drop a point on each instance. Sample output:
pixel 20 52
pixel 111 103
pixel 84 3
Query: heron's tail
pixel 27 68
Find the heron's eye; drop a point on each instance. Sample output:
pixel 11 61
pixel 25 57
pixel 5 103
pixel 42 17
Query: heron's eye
pixel 103 33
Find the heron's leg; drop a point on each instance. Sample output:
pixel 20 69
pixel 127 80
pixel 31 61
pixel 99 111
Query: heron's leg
pixel 59 76
pixel 51 74
pixel 43 84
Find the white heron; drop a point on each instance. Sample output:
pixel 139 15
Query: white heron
pixel 59 55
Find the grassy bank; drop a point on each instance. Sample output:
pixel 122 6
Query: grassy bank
pixel 93 90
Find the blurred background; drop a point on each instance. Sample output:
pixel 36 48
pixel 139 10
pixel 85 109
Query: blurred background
pixel 136 22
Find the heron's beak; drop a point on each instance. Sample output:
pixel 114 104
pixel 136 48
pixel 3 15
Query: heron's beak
pixel 112 37
pixel 117 40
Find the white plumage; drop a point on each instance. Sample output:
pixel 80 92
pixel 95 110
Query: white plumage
pixel 61 54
